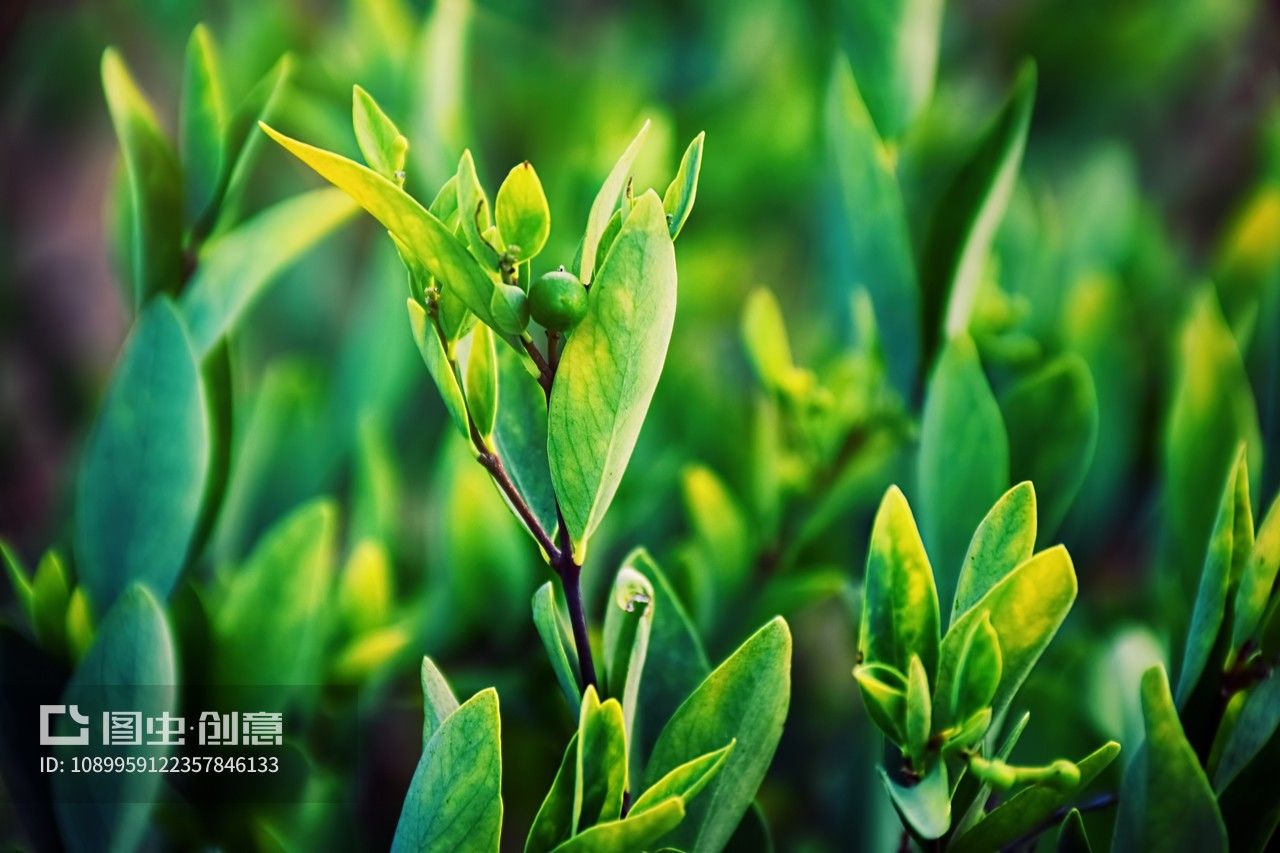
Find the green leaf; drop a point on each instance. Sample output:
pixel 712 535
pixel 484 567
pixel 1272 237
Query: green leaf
pixel 926 805
pixel 601 762
pixel 678 200
pixel 894 49
pixel 18 580
pixel 554 821
pixel 1005 537
pixel 131 665
pixel 431 242
pixel 235 268
pixel 628 624
pixel 977 673
pixel 203 121
pixel 270 625
pixel 1025 608
pixel 610 368
pixel 879 242
pixel 473 214
pixel 143 476
pixel 604 205
pixel 746 699
pixel 765 336
pixel 1229 548
pixel 440 88
pixel 1071 835
pixel 520 437
pixel 79 624
pixel 721 529
pixel 155 183
pixel 685 781
pixel 482 381
pixel 455 797
pixel 243 144
pixel 676 662
pixel 900 604
pixel 631 833
pixel 1257 581
pixel 1253 728
pixel 365 593
pixel 884 695
pixel 1166 803
pixel 1052 421
pixel 438 700
pixel 919 719
pixel 969 213
pixel 524 219
pixel 1027 810
pixel 557 641
pixel 964 457
pixel 437 361
pixel 382 145
pixel 50 594
pixel 1211 412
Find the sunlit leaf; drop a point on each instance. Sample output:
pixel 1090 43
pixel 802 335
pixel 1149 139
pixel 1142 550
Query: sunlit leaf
pixel 610 368
pixel 524 220
pixel 678 200
pixel 604 205
pixel 382 145
pixel 1005 537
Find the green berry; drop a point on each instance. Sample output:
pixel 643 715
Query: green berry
pixel 557 300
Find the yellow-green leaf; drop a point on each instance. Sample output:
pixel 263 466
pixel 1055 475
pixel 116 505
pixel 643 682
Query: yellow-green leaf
pixel 203 122
pixel 1005 537
pixel 604 205
pixel 681 193
pixel 524 219
pixel 609 370
pixel 381 143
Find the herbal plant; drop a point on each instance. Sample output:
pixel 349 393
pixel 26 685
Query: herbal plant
pixel 555 429
pixel 938 697
pixel 1202 774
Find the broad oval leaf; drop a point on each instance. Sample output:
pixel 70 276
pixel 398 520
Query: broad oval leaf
pixel 964 457
pixel 1166 803
pixel 1005 537
pixel 978 673
pixel 270 626
pixel 482 381
pixel 605 204
pixel 685 781
pixel 969 213
pixel 436 359
pixel 879 240
pixel 236 267
pixel 381 143
pixel 1051 418
pixel 745 698
pixel 926 805
pixel 520 436
pixel 140 486
pixel 630 833
pixel 1211 412
pixel 610 368
pixel 155 183
pixel 520 208
pixel 203 120
pixel 601 762
pixel 1025 608
pixel 131 665
pixel 455 798
pixel 900 603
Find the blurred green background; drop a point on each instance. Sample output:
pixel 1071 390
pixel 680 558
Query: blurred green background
pixel 1152 165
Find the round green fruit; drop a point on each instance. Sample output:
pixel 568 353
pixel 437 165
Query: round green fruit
pixel 557 300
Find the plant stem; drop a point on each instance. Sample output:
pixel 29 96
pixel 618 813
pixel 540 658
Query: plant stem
pixel 571 579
